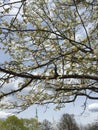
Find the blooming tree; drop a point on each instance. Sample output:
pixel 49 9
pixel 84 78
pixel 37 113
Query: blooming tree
pixel 49 50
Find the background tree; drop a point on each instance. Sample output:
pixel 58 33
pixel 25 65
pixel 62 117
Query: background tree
pixel 13 123
pixel 93 126
pixel 32 124
pixel 46 125
pixel 67 122
pixel 48 45
pixel 1 121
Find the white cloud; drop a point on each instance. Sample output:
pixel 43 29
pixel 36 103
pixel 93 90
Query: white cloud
pixel 93 107
pixel 4 114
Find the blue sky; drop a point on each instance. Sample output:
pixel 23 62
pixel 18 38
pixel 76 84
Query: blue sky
pixel 75 108
pixel 49 113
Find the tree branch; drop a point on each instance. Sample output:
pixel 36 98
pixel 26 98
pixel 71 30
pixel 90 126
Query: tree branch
pixel 42 77
pixel 17 90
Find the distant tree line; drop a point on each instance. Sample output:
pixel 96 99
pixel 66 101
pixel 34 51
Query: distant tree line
pixel 66 122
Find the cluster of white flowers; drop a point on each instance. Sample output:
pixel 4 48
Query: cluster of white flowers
pixel 89 1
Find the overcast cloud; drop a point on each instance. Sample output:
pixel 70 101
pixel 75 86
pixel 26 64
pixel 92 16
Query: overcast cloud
pixel 4 114
pixel 93 107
